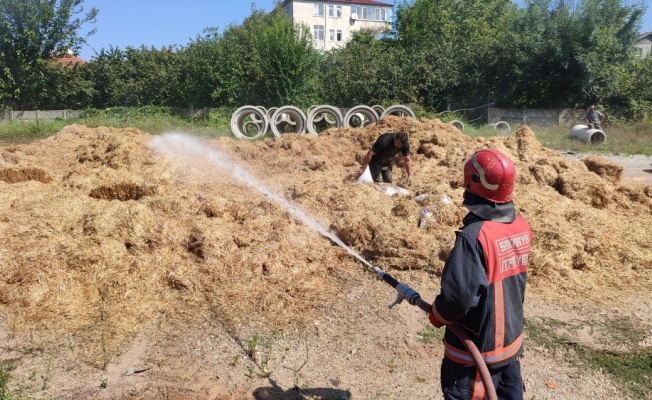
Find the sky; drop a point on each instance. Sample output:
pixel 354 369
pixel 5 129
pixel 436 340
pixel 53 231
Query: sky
pixel 162 23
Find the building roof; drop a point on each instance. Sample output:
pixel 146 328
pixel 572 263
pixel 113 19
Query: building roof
pixel 354 2
pixel 644 35
pixel 69 59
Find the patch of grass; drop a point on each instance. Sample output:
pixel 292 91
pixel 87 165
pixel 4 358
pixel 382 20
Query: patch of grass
pixel 5 378
pixel 430 334
pixel 152 120
pixel 622 139
pixel 26 132
pixel 630 368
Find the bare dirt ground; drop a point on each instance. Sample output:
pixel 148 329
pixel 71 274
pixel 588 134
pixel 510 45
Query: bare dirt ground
pixel 141 267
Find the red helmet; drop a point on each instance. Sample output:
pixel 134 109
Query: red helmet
pixel 490 174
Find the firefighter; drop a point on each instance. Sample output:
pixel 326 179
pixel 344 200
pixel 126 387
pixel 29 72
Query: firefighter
pixel 483 283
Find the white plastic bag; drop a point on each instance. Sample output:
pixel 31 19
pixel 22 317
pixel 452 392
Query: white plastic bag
pixel 366 176
pixel 392 190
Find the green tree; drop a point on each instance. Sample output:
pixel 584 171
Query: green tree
pixel 32 32
pixel 366 71
pixel 267 61
pixel 68 87
pixel 455 48
pixel 568 54
pixel 136 77
pixel 201 76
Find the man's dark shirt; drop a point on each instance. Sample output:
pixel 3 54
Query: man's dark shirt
pixel 385 150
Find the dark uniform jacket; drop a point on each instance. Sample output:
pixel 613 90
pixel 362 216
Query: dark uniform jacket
pixel 483 285
pixel 385 150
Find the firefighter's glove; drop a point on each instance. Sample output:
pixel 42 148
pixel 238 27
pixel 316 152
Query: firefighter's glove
pixel 409 294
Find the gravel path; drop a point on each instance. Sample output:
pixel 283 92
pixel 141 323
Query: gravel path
pixel 637 167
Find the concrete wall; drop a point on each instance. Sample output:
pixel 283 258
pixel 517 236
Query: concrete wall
pixel 304 12
pixel 25 116
pixel 535 117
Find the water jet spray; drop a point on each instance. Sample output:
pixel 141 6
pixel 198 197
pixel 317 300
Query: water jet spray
pixel 177 145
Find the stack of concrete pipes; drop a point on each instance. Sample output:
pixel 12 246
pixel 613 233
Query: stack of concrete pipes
pixel 253 122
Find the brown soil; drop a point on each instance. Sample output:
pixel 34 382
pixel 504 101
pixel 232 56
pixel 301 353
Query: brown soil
pixel 136 266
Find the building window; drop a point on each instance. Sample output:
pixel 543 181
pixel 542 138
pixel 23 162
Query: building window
pixel 319 10
pixel 339 35
pixel 388 14
pixel 383 14
pixel 639 52
pixel 318 32
pixel 331 35
pixel 335 11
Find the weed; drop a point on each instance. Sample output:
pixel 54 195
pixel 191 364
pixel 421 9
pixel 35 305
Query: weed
pixel 5 369
pixel 250 372
pixel 430 334
pixel 392 365
pixel 235 360
pixel 253 345
pixel 32 346
pixel 48 375
pixel 105 383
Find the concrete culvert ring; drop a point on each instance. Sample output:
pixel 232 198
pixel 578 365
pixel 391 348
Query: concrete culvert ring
pixel 324 117
pixel 399 111
pixel 378 109
pixel 583 133
pixel 360 116
pixel 288 119
pixel 458 124
pixel 249 122
pixel 270 112
pixel 503 127
pixel 310 110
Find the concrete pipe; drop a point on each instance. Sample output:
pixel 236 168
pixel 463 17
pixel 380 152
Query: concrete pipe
pixel 360 116
pixel 583 133
pixel 288 119
pixel 324 117
pixel 502 126
pixel 458 124
pixel 378 109
pixel 310 110
pixel 249 122
pixel 270 112
pixel 398 110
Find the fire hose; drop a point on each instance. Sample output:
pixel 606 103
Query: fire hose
pixel 407 293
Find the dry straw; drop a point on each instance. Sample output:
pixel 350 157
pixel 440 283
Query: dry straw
pixel 101 235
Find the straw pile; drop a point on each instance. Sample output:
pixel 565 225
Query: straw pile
pixel 101 234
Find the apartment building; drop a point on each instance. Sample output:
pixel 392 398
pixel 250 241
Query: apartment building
pixel 333 22
pixel 644 45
